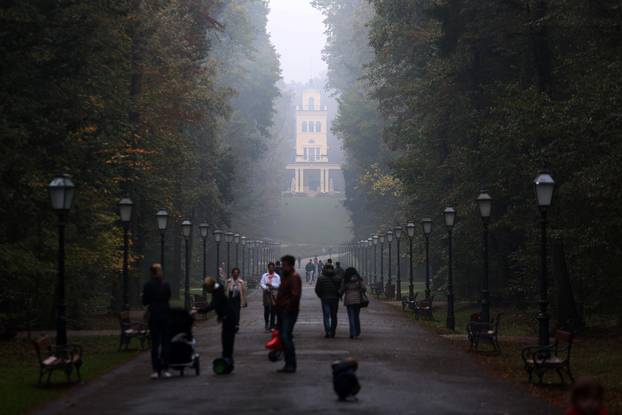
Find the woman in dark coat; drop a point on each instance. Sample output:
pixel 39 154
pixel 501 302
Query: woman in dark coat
pixel 352 289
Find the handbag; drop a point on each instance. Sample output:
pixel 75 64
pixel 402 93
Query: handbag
pixel 364 298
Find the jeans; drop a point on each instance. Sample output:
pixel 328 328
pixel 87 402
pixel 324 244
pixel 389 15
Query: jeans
pixel 228 338
pixel 354 311
pixel 160 341
pixel 329 309
pixel 287 321
pixel 269 315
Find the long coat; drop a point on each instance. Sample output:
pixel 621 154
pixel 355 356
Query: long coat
pixel 352 291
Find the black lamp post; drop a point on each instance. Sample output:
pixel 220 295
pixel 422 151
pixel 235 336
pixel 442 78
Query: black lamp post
pixel 389 236
pixel 243 262
pixel 162 217
pixel 450 219
pixel 426 224
pixel 125 214
pixel 236 241
pixel 545 186
pixel 410 231
pixel 484 202
pixel 217 238
pixel 398 236
pixel 186 231
pixel 204 230
pixel 370 243
pixel 61 196
pixel 228 239
pixel 375 242
pixel 381 240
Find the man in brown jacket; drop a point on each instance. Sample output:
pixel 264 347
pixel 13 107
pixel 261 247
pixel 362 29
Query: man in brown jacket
pixel 288 305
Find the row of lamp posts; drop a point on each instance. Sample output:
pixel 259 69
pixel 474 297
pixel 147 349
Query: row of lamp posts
pixel 62 189
pixel 366 248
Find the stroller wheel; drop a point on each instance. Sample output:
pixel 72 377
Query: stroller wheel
pixel 274 356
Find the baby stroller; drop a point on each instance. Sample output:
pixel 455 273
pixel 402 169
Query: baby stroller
pixel 275 346
pixel 182 353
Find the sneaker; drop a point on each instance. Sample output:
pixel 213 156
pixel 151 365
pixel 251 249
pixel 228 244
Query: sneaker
pixel 167 374
pixel 155 375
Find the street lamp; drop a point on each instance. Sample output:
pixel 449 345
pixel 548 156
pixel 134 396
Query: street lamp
pixel 381 238
pixel 243 242
pixel 204 231
pixel 426 224
pixel 186 231
pixel 125 214
pixel 375 242
pixel 410 231
pixel 162 217
pixel 228 239
pixel 61 190
pixel 217 238
pixel 236 241
pixel 450 219
pixel 370 243
pixel 398 235
pixel 484 202
pixel 544 186
pixel 389 237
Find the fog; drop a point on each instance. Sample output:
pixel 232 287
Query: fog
pixel 297 32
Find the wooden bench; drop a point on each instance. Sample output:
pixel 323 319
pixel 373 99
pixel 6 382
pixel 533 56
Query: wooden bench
pixel 407 303
pixel 555 357
pixel 423 308
pixel 51 358
pixel 478 330
pixel 132 330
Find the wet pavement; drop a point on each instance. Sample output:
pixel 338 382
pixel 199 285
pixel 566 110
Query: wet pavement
pixel 402 369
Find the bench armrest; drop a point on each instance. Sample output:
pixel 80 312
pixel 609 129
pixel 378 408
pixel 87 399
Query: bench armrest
pixel 538 354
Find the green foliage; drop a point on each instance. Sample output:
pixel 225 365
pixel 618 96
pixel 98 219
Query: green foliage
pixel 131 98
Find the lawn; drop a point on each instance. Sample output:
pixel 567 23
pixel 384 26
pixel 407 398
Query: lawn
pixel 592 355
pixel 20 371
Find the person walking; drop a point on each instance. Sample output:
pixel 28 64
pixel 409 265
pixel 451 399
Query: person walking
pixel 327 289
pixel 270 282
pixel 315 270
pixel 226 313
pixel 235 290
pixel 309 269
pixel 353 289
pixel 338 270
pixel 278 268
pixel 288 306
pixel 156 297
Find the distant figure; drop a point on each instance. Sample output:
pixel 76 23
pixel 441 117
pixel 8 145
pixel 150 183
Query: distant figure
pixel 352 289
pixel 226 316
pixel 288 306
pixel 329 261
pixel 156 297
pixel 299 262
pixel 278 268
pixel 309 270
pixel 316 270
pixel 587 398
pixel 320 269
pixel 338 270
pixel 236 293
pixel 270 282
pixel 327 289
pixel 222 274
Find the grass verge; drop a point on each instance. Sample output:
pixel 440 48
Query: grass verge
pixel 20 371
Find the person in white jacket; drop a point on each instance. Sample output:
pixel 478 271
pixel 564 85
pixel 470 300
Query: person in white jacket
pixel 269 283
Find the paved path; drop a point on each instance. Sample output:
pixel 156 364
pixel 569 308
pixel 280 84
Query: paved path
pixel 403 369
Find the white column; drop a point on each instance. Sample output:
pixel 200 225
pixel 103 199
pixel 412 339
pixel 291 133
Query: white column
pixel 302 179
pixel 296 180
pixel 321 180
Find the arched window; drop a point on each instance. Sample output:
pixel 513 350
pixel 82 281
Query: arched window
pixel 304 126
pixel 310 126
pixel 311 103
pixel 318 127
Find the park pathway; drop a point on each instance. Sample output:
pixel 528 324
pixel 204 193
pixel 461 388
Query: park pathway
pixel 403 369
